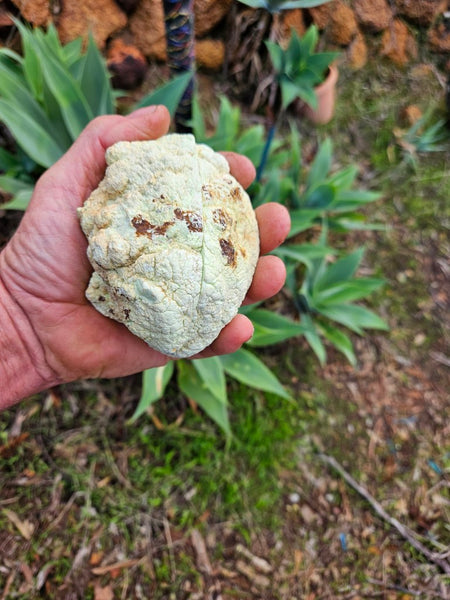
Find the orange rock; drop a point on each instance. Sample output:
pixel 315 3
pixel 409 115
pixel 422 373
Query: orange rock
pixel 424 72
pixel 293 19
pixel 398 43
pixel 5 17
pixel 128 5
pixel 36 12
pixel 147 27
pixel 357 52
pixel 343 26
pixel 411 114
pixel 210 53
pixel 439 38
pixel 373 14
pixel 424 11
pixel 102 17
pixel 285 22
pixel 208 13
pixel 321 14
pixel 126 64
pixel 147 24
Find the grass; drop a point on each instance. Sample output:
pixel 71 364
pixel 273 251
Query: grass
pixel 116 478
pixel 98 491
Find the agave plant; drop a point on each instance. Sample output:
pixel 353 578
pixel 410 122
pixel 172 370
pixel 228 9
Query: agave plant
pixel 300 68
pixel 204 382
pixel 48 96
pixel 423 137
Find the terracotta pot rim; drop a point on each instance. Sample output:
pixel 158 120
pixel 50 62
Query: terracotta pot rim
pixel 326 93
pixel 330 79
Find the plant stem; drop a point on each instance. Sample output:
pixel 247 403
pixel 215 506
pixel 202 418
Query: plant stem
pixel 179 24
pixel 265 153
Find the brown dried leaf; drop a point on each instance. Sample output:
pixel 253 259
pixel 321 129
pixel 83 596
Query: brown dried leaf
pixel 7 450
pixel 259 563
pixel 26 528
pixel 103 593
pixel 124 564
pixel 199 545
pixel 259 580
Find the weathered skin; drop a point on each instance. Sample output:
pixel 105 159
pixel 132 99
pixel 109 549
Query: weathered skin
pixel 173 241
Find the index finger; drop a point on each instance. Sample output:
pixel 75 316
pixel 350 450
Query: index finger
pixel 241 167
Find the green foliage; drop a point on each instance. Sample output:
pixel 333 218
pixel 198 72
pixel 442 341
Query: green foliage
pixel 228 134
pixel 205 385
pixel 320 200
pixel 299 68
pixel 48 96
pixel 327 296
pixel 21 192
pixel 272 328
pixel 203 381
pixel 424 136
pixel 275 6
pixel 169 93
pixel 51 93
pixel 154 382
pixel 315 194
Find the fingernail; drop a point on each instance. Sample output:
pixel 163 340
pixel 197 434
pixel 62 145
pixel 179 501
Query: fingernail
pixel 149 110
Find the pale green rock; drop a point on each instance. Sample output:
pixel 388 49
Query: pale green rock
pixel 173 241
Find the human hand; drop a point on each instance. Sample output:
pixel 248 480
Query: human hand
pixel 45 271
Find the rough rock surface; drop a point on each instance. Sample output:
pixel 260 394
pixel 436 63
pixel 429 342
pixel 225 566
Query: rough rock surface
pixel 287 21
pixel 5 16
pixel 423 11
pixel 36 12
pixel 147 27
pixel 102 17
pixel 321 14
pixel 373 14
pixel 398 43
pixel 126 64
pixel 357 52
pixel 343 26
pixel 439 38
pixel 173 240
pixel 208 13
pixel 210 53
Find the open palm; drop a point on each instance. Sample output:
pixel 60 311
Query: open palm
pixel 45 269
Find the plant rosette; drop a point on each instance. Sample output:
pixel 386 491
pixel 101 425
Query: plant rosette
pixel 300 70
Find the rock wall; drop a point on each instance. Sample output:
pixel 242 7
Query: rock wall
pixel 395 24
pixel 138 22
pixel 139 26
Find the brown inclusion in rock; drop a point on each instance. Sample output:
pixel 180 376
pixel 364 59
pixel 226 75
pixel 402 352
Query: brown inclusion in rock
pixel 192 219
pixel 143 227
pixel 228 251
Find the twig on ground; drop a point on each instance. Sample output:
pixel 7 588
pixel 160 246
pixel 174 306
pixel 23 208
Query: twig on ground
pixel 391 586
pixel 199 545
pixel 8 584
pixel 112 463
pixel 404 531
pixel 169 541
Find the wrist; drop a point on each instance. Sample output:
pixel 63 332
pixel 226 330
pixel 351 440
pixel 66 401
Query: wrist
pixel 23 369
